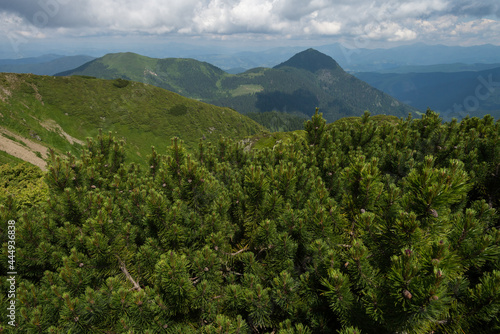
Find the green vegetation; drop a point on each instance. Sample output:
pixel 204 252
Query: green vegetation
pixel 24 184
pixel 246 89
pixel 7 159
pixel 188 77
pixel 271 140
pixel 360 226
pixel 140 114
pixel 120 83
pixel 307 80
pixel 278 121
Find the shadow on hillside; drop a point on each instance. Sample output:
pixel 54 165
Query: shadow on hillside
pixel 300 100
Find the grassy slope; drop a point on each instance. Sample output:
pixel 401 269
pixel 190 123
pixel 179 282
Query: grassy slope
pixel 7 159
pixel 188 77
pixel 143 115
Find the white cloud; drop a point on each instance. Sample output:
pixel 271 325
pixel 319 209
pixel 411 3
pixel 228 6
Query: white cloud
pixel 324 28
pixel 417 8
pixel 403 34
pixel 389 31
pixel 252 14
pixel 380 20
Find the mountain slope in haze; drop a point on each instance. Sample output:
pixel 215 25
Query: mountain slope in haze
pixel 61 112
pixel 452 94
pixel 447 68
pixel 354 58
pixel 45 65
pixel 308 80
pixel 30 60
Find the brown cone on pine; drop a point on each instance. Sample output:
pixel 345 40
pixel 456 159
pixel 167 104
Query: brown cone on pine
pixel 407 294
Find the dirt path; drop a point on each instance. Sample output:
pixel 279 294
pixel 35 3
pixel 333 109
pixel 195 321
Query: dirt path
pixel 26 153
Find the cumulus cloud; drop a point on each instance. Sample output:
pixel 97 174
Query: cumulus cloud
pixel 382 20
pixel 324 27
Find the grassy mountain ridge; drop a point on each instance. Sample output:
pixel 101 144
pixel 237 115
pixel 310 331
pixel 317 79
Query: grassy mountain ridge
pixel 188 77
pixel 52 110
pixel 309 79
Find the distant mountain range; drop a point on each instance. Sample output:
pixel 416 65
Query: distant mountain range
pixel 351 57
pixel 447 68
pixel 444 87
pixel 307 80
pixel 453 94
pixel 43 65
pixel 360 59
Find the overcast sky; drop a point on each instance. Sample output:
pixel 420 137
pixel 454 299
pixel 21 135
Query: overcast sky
pixel 355 23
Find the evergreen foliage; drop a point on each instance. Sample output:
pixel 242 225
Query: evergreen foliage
pixel 358 227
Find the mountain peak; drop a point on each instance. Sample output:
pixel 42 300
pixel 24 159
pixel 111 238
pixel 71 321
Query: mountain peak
pixel 311 60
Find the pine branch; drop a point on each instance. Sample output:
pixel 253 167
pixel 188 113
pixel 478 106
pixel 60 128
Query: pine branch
pixel 236 253
pixel 129 277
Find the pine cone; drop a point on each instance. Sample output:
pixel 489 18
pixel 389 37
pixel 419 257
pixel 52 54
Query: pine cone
pixel 433 213
pixel 407 294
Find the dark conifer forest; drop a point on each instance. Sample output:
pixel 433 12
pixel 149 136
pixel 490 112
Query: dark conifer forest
pixel 359 226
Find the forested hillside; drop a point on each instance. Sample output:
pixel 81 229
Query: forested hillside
pixel 356 227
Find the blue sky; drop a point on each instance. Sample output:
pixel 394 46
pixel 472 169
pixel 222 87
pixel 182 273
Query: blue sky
pixel 29 26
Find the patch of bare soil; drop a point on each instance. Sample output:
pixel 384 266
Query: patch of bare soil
pixel 26 153
pixel 51 125
pixel 4 94
pixel 13 83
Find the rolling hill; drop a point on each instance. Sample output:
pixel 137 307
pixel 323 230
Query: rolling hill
pixel 42 112
pixel 307 80
pixel 187 77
